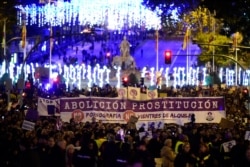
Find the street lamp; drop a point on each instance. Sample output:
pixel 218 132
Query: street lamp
pixel 4 41
pixel 213 31
pixel 236 40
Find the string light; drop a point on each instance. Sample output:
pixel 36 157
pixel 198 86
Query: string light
pixel 118 77
pixel 100 76
pixel 89 76
pixel 80 74
pixel 167 76
pixel 176 77
pixel 113 14
pixel 107 74
pixel 152 76
pixel 221 74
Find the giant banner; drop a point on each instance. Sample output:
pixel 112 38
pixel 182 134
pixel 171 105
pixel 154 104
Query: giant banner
pixel 168 110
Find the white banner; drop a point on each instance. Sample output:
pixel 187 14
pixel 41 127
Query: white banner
pixel 47 107
pixel 157 116
pixel 176 110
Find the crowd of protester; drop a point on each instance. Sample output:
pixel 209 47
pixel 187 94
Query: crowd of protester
pixel 97 144
pixel 53 143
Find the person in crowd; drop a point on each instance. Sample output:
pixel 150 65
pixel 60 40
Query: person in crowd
pixel 225 149
pixel 246 160
pixel 127 148
pixel 87 155
pixel 134 162
pixel 185 158
pixel 48 152
pixel 155 145
pixel 59 153
pixel 204 158
pixel 178 145
pixel 14 149
pixel 100 138
pixel 70 149
pixel 142 154
pixel 29 157
pixel 238 152
pixel 167 153
pixel 109 151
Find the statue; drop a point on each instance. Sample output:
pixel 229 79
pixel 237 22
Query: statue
pixel 125 48
pixel 125 60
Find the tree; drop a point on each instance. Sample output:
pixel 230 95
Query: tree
pixel 200 20
pixel 235 15
pixel 207 51
pixel 182 5
pixel 8 14
pixel 205 29
pixel 227 18
pixel 164 9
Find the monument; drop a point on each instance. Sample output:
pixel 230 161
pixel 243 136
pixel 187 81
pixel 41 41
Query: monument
pixel 125 60
pixel 125 48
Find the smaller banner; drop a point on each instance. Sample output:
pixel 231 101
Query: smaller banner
pixel 142 125
pixel 28 125
pixel 147 134
pixel 150 125
pixel 134 93
pixel 152 94
pixel 122 93
pixel 143 96
pixel 227 146
pixel 156 124
pixel 247 135
pixel 47 107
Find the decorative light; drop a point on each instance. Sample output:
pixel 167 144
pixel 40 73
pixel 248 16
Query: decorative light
pixel 176 77
pixel 11 70
pixel 248 75
pixel 143 72
pixel 197 76
pixel 193 76
pixel 100 76
pixel 229 77
pixel 66 76
pixel 246 78
pixel 75 75
pixel 152 76
pixel 83 71
pixel 107 74
pixel 94 74
pixel 78 75
pixel 89 76
pixel 204 76
pixel 239 75
pixel 117 14
pixel 32 71
pixel 166 76
pixel 182 76
pixel 118 77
